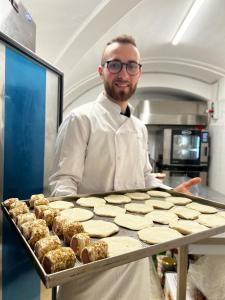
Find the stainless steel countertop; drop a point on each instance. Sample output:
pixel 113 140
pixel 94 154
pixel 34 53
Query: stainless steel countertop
pixel 199 190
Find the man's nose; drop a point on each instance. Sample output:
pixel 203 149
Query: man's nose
pixel 123 72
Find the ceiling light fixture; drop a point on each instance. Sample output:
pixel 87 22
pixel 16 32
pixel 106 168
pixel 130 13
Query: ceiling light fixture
pixel 186 22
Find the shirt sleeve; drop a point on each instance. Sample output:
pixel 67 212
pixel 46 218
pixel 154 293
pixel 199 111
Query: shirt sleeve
pixel 70 151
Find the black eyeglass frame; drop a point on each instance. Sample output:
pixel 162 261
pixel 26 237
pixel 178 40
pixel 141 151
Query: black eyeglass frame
pixel 122 64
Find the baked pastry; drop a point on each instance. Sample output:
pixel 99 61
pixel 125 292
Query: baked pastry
pixel 95 251
pixel 69 229
pixel 45 245
pixel 59 259
pixel 41 201
pixel 11 203
pixel 18 210
pixel 35 197
pixel 26 227
pixel 25 218
pixel 37 233
pixel 49 214
pixel 79 241
pixel 57 226
pixel 38 210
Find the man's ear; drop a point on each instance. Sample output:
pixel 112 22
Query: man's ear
pixel 100 70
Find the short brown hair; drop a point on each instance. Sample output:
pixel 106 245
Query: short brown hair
pixel 121 39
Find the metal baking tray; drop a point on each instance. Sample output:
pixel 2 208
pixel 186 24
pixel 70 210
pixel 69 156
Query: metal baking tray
pixel 81 270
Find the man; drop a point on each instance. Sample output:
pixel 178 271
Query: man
pixel 102 147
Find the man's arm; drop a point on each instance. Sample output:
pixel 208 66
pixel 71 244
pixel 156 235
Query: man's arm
pixel 70 150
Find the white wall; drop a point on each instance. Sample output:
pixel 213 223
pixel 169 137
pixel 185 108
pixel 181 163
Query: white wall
pixel 217 135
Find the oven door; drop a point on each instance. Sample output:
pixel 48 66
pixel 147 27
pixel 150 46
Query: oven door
pixel 185 147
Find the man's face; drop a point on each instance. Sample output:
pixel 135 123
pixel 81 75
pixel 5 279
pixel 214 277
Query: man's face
pixel 120 86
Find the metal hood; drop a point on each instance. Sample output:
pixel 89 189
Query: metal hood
pixel 172 112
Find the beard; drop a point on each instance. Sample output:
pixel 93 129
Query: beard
pixel 119 95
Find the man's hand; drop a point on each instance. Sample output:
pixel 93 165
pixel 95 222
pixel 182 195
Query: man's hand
pixel 185 186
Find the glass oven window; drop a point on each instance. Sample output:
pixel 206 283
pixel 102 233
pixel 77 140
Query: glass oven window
pixel 186 147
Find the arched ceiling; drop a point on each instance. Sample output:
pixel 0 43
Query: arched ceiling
pixel 71 35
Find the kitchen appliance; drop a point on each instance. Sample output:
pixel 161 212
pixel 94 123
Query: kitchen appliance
pixel 185 152
pixel 31 93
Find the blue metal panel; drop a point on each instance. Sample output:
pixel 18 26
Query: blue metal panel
pixel 24 138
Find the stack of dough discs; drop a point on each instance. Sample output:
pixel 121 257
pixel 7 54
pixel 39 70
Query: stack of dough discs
pixel 99 228
pixel 91 201
pixel 162 204
pixel 158 194
pixel 76 214
pixel 211 220
pixel 178 200
pixel 204 209
pixel 138 196
pixel 109 210
pixel 132 222
pixel 185 213
pixel 61 205
pixel 155 235
pixel 121 244
pixel 161 216
pixel 117 199
pixel 138 208
pixel 187 227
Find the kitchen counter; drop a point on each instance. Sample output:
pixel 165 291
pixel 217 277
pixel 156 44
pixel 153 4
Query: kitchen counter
pixel 198 190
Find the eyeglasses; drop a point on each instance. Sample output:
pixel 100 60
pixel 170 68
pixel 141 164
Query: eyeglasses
pixel 115 66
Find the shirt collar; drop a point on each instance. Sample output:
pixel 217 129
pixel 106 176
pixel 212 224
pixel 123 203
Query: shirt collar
pixel 105 101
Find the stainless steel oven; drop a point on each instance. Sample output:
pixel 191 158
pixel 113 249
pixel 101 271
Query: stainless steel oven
pixel 185 147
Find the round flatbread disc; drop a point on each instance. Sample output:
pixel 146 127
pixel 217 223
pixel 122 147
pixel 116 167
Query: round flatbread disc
pixel 117 199
pixel 138 196
pixel 178 200
pixel 158 194
pixel 185 213
pixel 132 222
pixel 121 244
pixel 162 204
pixel 204 209
pixel 76 214
pixel 155 235
pixel 61 205
pixel 99 228
pixel 211 220
pixel 109 210
pixel 90 201
pixel 187 227
pixel 138 208
pixel 161 216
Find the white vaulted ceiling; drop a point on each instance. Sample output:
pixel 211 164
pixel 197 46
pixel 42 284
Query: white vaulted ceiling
pixel 72 33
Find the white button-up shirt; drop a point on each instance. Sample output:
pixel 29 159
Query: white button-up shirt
pixel 100 150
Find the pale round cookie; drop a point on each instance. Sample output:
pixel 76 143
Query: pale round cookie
pixel 161 216
pixel 138 208
pixel 138 196
pixel 158 194
pixel 61 205
pixel 117 199
pixel 118 245
pixel 90 201
pixel 202 208
pixel 185 213
pixel 178 200
pixel 99 228
pixel 157 234
pixel 132 222
pixel 162 204
pixel 187 227
pixel 211 220
pixel 108 210
pixel 76 214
